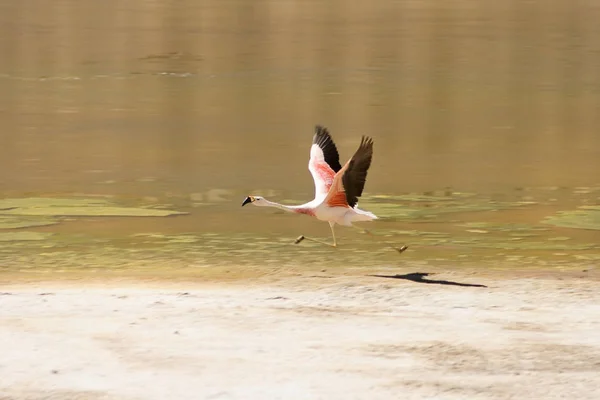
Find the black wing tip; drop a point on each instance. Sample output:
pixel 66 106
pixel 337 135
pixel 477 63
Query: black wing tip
pixel 365 148
pixel 321 134
pixel 366 141
pixel 354 179
pixel 324 140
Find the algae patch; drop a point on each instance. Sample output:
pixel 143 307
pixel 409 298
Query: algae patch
pixel 427 207
pixel 170 239
pixel 526 245
pixel 588 217
pixel 84 207
pixel 23 236
pixel 21 221
pixel 502 227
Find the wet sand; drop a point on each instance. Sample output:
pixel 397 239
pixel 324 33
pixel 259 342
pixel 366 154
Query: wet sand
pixel 304 335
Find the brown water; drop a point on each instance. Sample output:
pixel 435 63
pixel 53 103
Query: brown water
pixel 195 104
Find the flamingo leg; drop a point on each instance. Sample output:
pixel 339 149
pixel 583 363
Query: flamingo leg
pixel 398 249
pixel 334 244
pixel 331 224
pixel 313 240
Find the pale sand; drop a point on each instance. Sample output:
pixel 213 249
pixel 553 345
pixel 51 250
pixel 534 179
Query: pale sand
pixel 305 337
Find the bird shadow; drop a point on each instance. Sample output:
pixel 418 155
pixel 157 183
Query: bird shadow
pixel 421 277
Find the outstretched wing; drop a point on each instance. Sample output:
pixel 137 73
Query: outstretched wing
pixel 324 161
pixel 349 182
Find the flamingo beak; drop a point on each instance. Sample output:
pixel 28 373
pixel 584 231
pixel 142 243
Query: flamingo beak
pixel 247 200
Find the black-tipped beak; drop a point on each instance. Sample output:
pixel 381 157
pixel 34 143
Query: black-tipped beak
pixel 246 201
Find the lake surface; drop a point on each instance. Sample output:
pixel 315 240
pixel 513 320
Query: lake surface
pixel 486 110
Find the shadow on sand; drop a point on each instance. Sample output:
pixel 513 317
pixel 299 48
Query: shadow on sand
pixel 421 277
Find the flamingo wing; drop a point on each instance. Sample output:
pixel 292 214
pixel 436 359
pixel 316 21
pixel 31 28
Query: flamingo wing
pixel 324 161
pixel 349 182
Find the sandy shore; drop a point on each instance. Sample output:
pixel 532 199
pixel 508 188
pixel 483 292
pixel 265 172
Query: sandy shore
pixel 304 337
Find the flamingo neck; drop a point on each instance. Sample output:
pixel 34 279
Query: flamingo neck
pixel 302 209
pixel 268 203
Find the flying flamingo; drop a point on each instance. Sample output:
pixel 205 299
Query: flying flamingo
pixel 337 188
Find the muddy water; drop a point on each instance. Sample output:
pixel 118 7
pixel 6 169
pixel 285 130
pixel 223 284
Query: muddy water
pixel 191 105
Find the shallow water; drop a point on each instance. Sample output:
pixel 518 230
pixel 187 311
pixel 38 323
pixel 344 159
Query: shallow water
pixel 447 229
pixel 484 117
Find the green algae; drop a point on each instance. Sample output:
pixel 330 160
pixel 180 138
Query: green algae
pixel 416 197
pixel 459 241
pixel 587 257
pixel 502 243
pixel 21 236
pixel 595 208
pixel 588 217
pixel 411 232
pixel 19 221
pixel 502 227
pixel 495 236
pixel 529 245
pixel 179 238
pixel 428 207
pixel 40 202
pixel 393 211
pixel 83 207
pixel 103 211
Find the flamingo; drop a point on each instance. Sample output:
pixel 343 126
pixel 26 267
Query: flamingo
pixel 337 188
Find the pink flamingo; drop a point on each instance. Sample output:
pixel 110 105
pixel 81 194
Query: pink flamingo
pixel 337 188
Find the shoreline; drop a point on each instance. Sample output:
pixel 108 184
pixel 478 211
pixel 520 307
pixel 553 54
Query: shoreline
pixel 256 274
pixel 325 334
